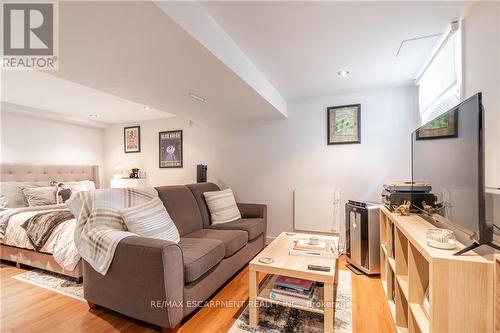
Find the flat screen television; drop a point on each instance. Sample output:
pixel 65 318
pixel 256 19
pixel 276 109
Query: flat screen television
pixel 448 153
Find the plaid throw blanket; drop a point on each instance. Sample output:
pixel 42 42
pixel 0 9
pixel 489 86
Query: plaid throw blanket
pixel 99 226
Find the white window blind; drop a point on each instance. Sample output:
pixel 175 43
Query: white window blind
pixel 439 86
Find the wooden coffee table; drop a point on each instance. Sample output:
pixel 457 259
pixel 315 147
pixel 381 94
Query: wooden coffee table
pixel 292 266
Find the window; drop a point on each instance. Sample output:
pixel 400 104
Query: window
pixel 440 84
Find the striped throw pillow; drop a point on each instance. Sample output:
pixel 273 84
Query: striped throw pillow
pixel 151 220
pixel 222 206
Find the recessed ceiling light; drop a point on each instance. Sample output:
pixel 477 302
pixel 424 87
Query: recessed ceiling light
pixel 343 73
pixel 93 115
pixel 198 98
pixel 146 107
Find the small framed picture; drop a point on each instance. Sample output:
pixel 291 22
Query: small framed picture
pixel 344 124
pixel 443 126
pixel 171 149
pixel 132 139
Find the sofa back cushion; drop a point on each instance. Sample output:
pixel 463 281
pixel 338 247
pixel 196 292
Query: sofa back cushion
pixel 182 208
pixel 198 190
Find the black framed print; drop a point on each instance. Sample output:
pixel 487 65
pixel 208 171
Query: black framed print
pixel 132 139
pixel 170 143
pixel 344 124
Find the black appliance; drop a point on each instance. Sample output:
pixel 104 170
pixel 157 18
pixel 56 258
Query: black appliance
pixel 134 173
pixel 201 173
pixel 397 193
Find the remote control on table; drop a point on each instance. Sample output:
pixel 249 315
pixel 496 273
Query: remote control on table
pixel 318 268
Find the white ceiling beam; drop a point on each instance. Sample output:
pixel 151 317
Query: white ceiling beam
pixel 50 116
pixel 193 18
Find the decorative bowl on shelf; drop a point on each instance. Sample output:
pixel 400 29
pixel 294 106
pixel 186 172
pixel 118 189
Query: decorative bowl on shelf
pixel 441 239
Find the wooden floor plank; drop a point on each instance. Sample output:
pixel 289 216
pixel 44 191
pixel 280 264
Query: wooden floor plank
pixel 28 308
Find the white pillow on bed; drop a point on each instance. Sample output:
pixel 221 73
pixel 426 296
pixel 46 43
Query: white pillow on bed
pixel 83 185
pixel 79 186
pixel 66 189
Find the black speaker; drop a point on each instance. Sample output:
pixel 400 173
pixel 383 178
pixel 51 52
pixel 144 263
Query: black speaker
pixel 201 173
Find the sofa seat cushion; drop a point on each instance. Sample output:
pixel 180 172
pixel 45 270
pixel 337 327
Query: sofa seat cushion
pixel 254 227
pixel 200 255
pixel 233 239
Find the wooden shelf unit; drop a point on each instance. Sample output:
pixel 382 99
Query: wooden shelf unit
pixel 460 288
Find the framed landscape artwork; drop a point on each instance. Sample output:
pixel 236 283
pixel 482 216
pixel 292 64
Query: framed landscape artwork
pixel 171 149
pixel 132 139
pixel 444 126
pixel 344 124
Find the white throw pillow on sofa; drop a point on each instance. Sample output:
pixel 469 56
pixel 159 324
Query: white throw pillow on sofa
pixel 222 206
pixel 151 220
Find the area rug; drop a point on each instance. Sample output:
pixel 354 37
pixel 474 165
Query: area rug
pixel 51 281
pixel 280 319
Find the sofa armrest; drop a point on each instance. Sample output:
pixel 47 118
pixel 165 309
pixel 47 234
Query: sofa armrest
pixel 145 281
pixel 252 210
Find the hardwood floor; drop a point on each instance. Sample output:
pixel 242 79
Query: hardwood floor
pixel 28 308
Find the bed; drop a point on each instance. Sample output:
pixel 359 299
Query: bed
pixel 18 249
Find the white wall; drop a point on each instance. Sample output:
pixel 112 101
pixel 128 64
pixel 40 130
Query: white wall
pixel 264 161
pixel 197 145
pixel 25 139
pixel 482 73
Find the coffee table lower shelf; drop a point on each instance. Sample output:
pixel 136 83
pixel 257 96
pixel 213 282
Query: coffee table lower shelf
pixel 265 292
pixel 295 267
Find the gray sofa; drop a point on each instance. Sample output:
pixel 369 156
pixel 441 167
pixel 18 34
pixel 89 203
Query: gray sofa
pixel 161 282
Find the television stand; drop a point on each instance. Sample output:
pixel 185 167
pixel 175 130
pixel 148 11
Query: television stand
pixel 475 245
pixel 458 289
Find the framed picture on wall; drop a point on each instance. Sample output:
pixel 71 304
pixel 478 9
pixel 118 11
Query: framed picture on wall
pixel 132 139
pixel 443 126
pixel 344 124
pixel 171 149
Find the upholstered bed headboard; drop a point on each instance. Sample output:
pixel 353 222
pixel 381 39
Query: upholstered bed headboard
pixel 33 173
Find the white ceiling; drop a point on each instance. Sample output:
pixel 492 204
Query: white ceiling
pixel 135 51
pixel 300 46
pixel 116 56
pixel 45 92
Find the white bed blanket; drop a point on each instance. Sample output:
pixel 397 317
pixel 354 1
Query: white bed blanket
pixel 60 243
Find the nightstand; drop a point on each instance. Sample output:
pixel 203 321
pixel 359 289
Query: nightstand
pixel 128 182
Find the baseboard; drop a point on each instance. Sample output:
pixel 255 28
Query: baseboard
pixel 269 239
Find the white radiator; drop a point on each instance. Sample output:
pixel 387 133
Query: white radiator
pixel 317 210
